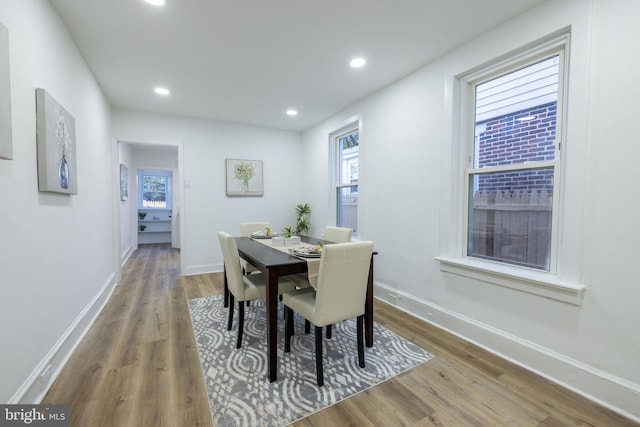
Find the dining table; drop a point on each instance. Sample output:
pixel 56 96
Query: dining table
pixel 274 263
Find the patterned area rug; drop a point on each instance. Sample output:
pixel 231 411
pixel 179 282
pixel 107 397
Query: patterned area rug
pixel 236 379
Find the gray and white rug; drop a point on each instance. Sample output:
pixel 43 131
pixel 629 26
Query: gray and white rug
pixel 236 379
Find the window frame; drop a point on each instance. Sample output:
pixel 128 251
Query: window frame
pixel 459 102
pixel 557 47
pixel 335 167
pixel 169 192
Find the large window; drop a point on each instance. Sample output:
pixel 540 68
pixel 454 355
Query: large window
pixel 513 165
pixel 154 190
pixel 345 167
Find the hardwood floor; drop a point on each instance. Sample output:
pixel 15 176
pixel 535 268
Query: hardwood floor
pixel 138 366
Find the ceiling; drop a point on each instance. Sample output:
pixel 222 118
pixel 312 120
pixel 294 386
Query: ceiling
pixel 249 61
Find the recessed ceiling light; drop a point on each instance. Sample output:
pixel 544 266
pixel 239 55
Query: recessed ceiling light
pixel 162 91
pixel 292 112
pixel 358 62
pixel 156 2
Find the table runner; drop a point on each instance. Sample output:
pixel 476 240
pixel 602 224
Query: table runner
pixel 313 264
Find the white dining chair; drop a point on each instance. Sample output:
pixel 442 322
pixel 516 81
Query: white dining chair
pixel 246 229
pixel 339 295
pixel 331 234
pixel 243 287
pixel 337 234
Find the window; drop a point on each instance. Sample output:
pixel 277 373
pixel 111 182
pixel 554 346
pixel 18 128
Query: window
pixel 154 190
pixel 345 145
pixel 513 160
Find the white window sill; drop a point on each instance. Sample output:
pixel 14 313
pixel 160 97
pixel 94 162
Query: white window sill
pixel 530 281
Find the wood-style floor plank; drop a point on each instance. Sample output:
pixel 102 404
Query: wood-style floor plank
pixel 138 365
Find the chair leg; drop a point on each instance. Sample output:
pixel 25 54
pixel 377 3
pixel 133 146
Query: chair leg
pixel 288 328
pixel 230 321
pixel 329 331
pixel 307 326
pixel 319 371
pixel 360 333
pixel 240 323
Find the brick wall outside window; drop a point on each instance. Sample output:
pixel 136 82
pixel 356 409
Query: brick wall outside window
pixel 506 140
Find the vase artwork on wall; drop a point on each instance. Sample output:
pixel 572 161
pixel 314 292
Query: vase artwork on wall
pixel 244 177
pixel 6 147
pixel 56 141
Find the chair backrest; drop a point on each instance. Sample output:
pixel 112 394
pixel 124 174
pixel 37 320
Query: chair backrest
pixel 337 234
pixel 232 264
pixel 342 281
pixel 246 228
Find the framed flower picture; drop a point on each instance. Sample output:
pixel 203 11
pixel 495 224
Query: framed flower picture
pixel 244 177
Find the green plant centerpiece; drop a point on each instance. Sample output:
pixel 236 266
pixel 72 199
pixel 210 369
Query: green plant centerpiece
pixel 303 218
pixel 287 232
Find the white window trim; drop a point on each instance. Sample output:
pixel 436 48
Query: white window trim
pixel 350 125
pixel 541 283
pixel 527 280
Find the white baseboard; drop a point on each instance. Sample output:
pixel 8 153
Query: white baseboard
pixel 125 256
pixel 615 393
pixel 40 380
pixel 203 269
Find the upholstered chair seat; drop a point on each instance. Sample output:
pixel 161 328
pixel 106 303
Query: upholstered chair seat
pixel 340 294
pixel 243 287
pixel 337 234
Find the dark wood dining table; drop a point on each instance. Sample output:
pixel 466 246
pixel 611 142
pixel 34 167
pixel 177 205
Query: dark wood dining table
pixel 274 264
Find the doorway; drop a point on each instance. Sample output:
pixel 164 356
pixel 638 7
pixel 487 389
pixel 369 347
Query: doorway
pixel 154 203
pixel 153 217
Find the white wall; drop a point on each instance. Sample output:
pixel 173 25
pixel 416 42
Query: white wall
pixel 51 283
pixel 127 207
pixel 203 147
pixel 407 203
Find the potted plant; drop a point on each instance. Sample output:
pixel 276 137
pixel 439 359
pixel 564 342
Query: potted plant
pixel 142 227
pixel 303 221
pixel 142 215
pixel 287 232
pixel 287 238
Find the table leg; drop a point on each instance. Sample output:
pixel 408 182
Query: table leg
pixel 226 288
pixel 368 309
pixel 272 323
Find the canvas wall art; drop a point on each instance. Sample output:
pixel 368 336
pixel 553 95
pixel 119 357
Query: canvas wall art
pixel 6 145
pixel 124 182
pixel 244 177
pixel 56 140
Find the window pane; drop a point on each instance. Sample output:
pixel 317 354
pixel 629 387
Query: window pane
pixel 515 116
pixel 154 191
pixel 347 203
pixel 348 158
pixel 510 217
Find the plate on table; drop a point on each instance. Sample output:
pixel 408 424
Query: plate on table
pixel 307 253
pixel 262 235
